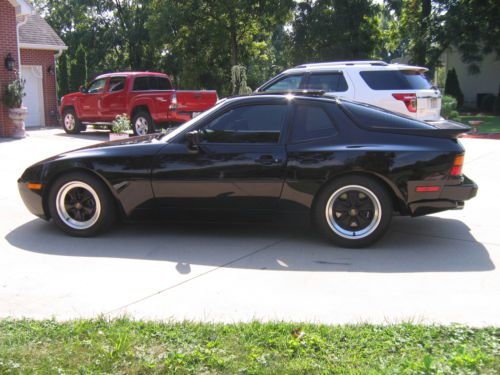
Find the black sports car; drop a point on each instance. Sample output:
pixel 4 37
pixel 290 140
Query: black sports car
pixel 350 165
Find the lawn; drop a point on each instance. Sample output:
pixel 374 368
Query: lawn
pixel 491 123
pixel 131 347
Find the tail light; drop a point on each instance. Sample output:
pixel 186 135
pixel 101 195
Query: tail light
pixel 410 101
pixel 456 170
pixel 173 102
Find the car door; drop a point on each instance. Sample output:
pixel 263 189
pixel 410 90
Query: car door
pixel 114 99
pixel 239 164
pixel 90 103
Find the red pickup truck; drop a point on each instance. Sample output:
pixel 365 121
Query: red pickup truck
pixel 147 98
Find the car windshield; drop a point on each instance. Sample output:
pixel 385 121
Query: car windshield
pixel 180 129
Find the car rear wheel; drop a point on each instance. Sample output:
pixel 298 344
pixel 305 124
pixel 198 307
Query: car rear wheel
pixel 353 211
pixel 71 123
pixel 142 123
pixel 81 205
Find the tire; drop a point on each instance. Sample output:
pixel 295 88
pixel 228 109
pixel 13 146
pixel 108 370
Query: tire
pixel 94 210
pixel 142 123
pixel 71 123
pixel 353 211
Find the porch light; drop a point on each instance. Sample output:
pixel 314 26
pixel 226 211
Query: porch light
pixel 9 62
pixel 51 70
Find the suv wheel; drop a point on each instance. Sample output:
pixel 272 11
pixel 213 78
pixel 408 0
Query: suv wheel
pixel 353 211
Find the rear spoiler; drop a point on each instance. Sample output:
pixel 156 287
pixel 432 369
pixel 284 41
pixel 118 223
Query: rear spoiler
pixel 442 129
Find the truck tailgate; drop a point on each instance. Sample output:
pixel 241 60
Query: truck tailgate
pixel 195 101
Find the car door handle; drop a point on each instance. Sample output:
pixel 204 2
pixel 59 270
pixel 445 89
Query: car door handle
pixel 268 159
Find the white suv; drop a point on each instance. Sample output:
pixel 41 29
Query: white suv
pixel 395 87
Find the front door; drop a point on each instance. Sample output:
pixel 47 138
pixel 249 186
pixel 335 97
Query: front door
pixel 114 99
pixel 240 164
pixel 90 109
pixel 33 74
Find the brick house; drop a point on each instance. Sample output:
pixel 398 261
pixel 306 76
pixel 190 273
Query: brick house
pixel 34 47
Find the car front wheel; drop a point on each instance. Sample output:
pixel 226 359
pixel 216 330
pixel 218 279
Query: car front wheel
pixel 353 211
pixel 71 123
pixel 81 205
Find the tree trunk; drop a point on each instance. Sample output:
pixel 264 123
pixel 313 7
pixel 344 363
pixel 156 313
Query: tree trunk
pixel 422 43
pixel 234 47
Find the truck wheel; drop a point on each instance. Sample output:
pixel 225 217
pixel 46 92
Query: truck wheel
pixel 71 123
pixel 142 123
pixel 353 211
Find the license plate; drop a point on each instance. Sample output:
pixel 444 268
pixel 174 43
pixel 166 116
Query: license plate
pixel 195 114
pixel 434 103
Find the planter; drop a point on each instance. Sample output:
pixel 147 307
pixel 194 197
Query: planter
pixel 117 136
pixel 475 124
pixel 18 115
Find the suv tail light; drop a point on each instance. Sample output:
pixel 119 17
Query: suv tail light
pixel 410 101
pixel 173 102
pixel 456 170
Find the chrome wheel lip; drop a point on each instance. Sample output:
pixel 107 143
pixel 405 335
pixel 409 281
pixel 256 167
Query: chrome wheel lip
pixel 63 213
pixel 348 234
pixel 69 121
pixel 141 126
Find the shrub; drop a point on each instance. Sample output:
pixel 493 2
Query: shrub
pixel 449 107
pixel 14 93
pixel 452 87
pixel 239 81
pixel 121 124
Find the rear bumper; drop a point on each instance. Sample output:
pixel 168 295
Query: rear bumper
pixel 449 197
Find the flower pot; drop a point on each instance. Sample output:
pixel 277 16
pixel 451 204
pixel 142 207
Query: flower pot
pixel 117 136
pixel 18 115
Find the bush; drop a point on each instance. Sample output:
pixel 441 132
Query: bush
pixel 121 124
pixel 452 87
pixel 449 107
pixel 14 93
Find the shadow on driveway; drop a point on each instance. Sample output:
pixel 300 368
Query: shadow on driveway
pixel 426 244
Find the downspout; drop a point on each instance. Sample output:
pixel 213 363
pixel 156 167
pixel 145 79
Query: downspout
pixel 18 25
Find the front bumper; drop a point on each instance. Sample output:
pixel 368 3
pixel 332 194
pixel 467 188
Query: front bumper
pixel 451 196
pixel 32 199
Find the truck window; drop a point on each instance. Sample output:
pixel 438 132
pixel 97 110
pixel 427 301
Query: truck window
pixel 116 84
pixel 159 83
pixel 141 84
pixel 97 86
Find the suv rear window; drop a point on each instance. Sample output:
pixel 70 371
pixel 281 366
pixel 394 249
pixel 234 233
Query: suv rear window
pixel 329 82
pixel 395 80
pixel 370 117
pixel 151 83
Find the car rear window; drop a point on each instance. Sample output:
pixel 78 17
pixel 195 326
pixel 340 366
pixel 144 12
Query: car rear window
pixel 311 122
pixel 151 83
pixel 367 116
pixel 395 80
pixel 329 82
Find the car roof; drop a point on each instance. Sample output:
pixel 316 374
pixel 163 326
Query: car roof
pixel 131 74
pixel 314 95
pixel 353 65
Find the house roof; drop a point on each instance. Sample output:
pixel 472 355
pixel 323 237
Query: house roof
pixel 36 33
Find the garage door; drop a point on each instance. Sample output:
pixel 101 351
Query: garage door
pixel 33 74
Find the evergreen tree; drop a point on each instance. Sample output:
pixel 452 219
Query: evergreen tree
pixel 452 87
pixel 78 70
pixel 62 75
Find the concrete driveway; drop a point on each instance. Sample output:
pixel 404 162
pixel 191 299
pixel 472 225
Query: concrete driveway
pixel 441 268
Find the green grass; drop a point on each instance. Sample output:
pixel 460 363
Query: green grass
pixel 491 123
pixel 133 347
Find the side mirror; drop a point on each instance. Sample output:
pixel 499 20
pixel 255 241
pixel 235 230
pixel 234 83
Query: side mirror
pixel 82 89
pixel 194 138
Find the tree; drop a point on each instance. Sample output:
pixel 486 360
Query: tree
pixel 239 81
pixel 78 70
pixel 325 30
pixel 452 87
pixel 62 75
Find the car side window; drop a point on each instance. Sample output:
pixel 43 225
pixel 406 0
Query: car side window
pixel 329 82
pixel 311 122
pixel 116 84
pixel 247 124
pixel 286 83
pixel 97 86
